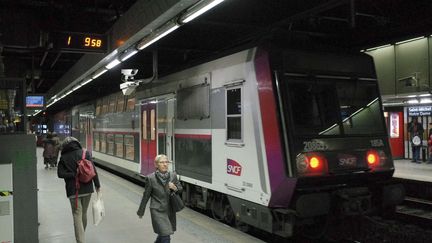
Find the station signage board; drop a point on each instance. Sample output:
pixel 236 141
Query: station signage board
pixel 80 42
pixel 420 111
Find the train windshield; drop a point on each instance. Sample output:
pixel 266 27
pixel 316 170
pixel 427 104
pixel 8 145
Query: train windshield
pixel 332 107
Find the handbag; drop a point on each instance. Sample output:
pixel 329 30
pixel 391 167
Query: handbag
pixel 176 202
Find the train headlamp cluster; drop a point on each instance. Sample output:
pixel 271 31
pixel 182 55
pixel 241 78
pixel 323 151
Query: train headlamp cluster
pixel 310 163
pixel 315 163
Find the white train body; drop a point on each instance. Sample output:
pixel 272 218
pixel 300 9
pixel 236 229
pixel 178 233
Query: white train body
pixel 227 128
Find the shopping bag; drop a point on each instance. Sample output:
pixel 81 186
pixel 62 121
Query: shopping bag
pixel 98 209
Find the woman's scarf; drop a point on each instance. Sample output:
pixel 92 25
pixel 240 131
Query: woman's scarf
pixel 163 177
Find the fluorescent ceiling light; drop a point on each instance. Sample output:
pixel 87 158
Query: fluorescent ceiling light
pixel 87 81
pixel 153 38
pixel 414 101
pixel 413 39
pixel 77 87
pixel 127 54
pixel 97 74
pixel 198 9
pixel 425 100
pixel 425 95
pixel 411 96
pixel 113 63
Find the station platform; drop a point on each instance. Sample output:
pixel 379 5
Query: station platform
pixel 406 169
pixel 121 224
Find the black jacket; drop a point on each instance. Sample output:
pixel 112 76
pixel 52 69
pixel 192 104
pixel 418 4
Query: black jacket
pixel 67 166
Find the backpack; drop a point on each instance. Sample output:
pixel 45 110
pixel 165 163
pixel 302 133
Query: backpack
pixel 85 169
pixel 85 173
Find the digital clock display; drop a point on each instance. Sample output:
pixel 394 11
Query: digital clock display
pixel 81 42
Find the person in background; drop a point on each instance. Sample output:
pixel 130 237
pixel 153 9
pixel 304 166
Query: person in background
pixel 49 150
pixel 429 140
pixel 56 140
pixel 415 128
pixel 71 153
pixel 159 186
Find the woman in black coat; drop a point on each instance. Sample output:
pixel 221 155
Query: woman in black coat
pixel 71 153
pixel 159 186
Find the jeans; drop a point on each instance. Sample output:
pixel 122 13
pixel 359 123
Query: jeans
pixel 80 216
pixel 416 153
pixel 163 239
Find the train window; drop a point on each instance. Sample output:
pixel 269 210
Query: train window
pixel 119 145
pixel 152 124
pixel 98 107
pixel 103 143
pixel 193 102
pixel 129 146
pixel 130 104
pixel 120 103
pixel 234 114
pixel 96 141
pixel 105 105
pixel 110 143
pixel 328 107
pixel 144 125
pixel 112 104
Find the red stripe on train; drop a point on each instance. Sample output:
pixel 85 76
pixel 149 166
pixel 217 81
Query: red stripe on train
pixel 193 136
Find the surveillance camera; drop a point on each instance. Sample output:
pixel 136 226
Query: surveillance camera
pixel 128 87
pixel 129 72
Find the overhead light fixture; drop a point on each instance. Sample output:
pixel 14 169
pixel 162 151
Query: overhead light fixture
pixel 127 54
pixel 425 95
pixel 411 96
pixel 87 81
pixel 77 87
pixel 199 9
pixel 159 33
pixel 113 63
pixel 413 101
pixel 409 40
pixel 425 100
pixel 98 73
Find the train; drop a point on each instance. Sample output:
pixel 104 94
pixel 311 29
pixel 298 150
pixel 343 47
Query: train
pixel 265 137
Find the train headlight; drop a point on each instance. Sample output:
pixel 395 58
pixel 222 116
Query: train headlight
pixel 314 162
pixel 376 159
pixel 310 164
pixel 372 158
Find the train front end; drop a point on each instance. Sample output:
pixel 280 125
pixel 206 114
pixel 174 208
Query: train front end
pixel 337 153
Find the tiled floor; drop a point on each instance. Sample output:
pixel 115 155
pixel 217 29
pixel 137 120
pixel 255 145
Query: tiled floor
pixel 121 224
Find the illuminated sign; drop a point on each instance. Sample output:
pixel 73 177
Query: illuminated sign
pixel 394 125
pixel 420 111
pixel 80 42
pixel 34 101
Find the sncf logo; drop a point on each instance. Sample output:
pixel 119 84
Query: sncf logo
pixel 233 167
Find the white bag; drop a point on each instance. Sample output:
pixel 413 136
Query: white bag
pixel 98 209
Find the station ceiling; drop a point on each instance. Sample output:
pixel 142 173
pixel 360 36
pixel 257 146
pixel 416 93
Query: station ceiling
pixel 349 24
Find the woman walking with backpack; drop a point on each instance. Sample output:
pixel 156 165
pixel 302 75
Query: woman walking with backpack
pixel 78 192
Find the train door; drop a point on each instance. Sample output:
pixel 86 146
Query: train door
pixel 169 142
pixel 148 136
pixel 165 125
pixel 89 135
pixel 82 130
